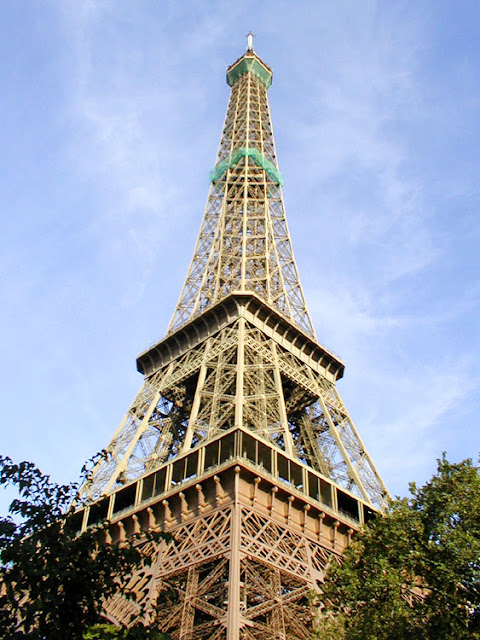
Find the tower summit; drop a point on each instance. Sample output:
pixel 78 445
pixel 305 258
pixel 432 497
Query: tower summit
pixel 238 442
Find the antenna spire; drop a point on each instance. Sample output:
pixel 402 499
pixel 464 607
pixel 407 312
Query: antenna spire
pixel 249 41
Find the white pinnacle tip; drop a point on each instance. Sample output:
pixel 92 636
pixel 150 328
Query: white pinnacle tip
pixel 250 41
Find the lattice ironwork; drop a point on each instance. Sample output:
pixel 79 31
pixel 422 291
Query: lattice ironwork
pixel 277 568
pixel 240 355
pixel 244 243
pixel 240 377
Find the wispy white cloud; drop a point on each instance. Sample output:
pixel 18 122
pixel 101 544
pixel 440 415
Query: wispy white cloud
pixel 424 412
pixel 131 131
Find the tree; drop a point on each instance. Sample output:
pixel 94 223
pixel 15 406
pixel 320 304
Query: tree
pixel 415 571
pixel 54 580
pixel 104 631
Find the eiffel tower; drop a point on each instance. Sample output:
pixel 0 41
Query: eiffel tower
pixel 238 443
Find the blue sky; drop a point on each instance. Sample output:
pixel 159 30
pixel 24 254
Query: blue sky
pixel 110 118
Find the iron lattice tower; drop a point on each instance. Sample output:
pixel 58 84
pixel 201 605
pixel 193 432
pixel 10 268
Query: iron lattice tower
pixel 238 442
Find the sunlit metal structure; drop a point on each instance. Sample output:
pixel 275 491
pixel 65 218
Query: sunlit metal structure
pixel 238 442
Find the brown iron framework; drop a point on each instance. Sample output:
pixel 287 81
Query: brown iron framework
pixel 238 442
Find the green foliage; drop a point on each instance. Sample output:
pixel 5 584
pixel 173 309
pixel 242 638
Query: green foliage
pixel 415 572
pixel 330 628
pixel 111 632
pixel 52 580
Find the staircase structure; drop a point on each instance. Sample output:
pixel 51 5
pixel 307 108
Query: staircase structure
pixel 238 443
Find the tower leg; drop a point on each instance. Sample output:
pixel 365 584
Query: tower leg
pixel 233 615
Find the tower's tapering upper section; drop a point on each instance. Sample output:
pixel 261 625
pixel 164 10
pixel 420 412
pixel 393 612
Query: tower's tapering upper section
pixel 240 361
pixel 244 244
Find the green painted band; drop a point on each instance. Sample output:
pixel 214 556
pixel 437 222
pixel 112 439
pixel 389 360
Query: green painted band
pixel 235 157
pixel 252 65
